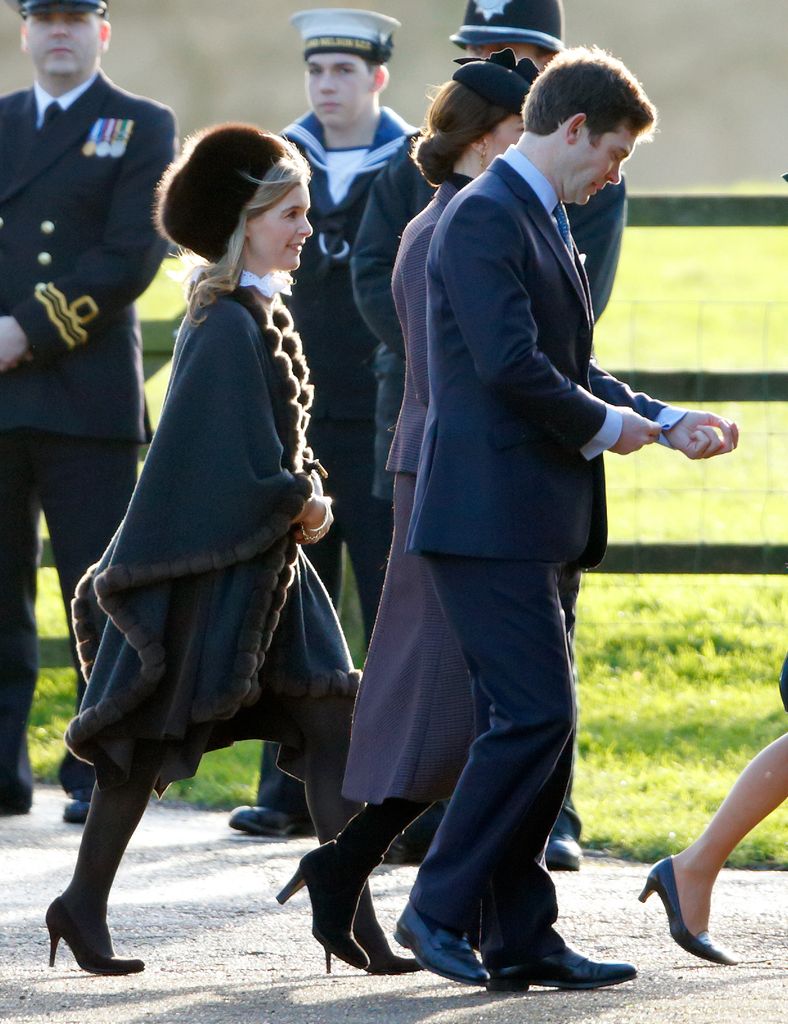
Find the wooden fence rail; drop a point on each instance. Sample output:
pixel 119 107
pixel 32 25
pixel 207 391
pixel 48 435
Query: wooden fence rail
pixel 679 386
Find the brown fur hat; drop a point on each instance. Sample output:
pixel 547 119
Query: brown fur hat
pixel 201 194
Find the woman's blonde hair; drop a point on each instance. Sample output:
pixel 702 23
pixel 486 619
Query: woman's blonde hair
pixel 207 281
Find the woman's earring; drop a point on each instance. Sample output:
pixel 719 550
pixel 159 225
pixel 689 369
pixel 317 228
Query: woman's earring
pixel 483 157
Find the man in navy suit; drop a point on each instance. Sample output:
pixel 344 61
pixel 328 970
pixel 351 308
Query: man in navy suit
pixel 510 506
pixel 79 162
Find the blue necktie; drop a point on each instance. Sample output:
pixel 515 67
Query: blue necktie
pixel 562 221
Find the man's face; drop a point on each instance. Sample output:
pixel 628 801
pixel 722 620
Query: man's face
pixel 591 163
pixel 341 88
pixel 65 46
pixel 539 56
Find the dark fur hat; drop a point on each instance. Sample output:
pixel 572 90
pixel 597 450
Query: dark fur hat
pixel 201 194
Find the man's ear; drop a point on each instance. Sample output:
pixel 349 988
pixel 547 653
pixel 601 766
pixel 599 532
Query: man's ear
pixel 572 128
pixel 381 78
pixel 105 34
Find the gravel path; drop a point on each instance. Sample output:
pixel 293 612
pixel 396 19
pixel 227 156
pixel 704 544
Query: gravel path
pixel 196 902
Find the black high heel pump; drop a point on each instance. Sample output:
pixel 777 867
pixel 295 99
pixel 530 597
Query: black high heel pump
pixel 62 926
pixel 332 911
pixel 662 880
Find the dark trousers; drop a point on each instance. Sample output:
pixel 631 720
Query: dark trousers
pixel 83 486
pixel 363 524
pixel 512 621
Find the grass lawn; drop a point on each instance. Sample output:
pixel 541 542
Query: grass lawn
pixel 678 673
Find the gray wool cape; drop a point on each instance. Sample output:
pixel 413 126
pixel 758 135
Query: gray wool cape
pixel 204 614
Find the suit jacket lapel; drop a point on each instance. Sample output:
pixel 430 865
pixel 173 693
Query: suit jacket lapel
pixel 42 151
pixel 549 232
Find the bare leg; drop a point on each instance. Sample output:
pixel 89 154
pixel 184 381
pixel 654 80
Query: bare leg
pixel 113 817
pixel 761 787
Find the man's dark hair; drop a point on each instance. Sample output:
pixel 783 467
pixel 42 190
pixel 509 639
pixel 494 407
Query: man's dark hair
pixel 590 82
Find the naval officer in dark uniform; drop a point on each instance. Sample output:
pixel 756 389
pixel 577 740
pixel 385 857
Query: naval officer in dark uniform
pixel 347 137
pixel 79 160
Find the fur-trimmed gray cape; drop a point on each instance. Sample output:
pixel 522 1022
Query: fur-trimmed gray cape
pixel 203 602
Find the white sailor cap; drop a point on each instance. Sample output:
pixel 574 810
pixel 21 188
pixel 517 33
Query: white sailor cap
pixel 344 30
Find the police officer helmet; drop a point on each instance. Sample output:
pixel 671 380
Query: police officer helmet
pixel 540 22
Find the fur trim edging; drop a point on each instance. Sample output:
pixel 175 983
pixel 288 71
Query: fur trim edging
pixel 335 684
pixel 254 638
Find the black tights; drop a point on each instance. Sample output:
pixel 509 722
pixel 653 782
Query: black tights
pixel 115 813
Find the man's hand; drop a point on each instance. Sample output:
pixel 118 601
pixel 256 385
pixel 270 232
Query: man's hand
pixel 702 435
pixel 13 344
pixel 636 431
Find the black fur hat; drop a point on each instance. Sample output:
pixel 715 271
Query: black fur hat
pixel 201 194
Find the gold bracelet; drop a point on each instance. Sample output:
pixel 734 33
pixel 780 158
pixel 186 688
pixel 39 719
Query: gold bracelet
pixel 312 536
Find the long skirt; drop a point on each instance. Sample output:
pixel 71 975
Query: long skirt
pixel 413 721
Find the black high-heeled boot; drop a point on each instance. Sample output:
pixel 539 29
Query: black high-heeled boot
pixel 372 939
pixel 334 900
pixel 62 926
pixel 662 880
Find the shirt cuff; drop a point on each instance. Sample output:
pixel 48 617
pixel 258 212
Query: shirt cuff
pixel 668 418
pixel 606 436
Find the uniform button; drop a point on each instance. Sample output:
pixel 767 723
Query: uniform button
pixel 47 227
pixel 44 258
pixel 2 222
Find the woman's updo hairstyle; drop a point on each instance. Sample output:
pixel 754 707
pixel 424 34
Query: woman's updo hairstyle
pixel 480 95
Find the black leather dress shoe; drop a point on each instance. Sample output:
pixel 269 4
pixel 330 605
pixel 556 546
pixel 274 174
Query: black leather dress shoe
pixel 265 821
pixel 563 853
pixel 567 969
pixel 76 810
pixel 15 803
pixel 439 950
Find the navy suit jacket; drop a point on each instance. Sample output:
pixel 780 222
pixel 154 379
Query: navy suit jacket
pixel 514 393
pixel 77 246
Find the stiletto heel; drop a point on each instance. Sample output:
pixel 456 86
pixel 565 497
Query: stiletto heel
pixel 296 882
pixel 648 888
pixel 662 880
pixel 62 926
pixel 333 905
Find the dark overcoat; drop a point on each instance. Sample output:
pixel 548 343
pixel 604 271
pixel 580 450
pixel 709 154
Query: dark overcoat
pixel 203 604
pixel 77 246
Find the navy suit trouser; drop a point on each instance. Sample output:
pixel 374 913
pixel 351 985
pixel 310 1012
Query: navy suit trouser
pixel 512 620
pixel 83 486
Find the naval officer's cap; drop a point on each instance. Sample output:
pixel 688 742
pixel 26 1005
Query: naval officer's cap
pixel 343 30
pixel 26 7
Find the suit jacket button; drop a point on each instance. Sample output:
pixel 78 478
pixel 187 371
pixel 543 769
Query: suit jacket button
pixel 47 227
pixel 44 258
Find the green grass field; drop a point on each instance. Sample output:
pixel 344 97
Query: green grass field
pixel 678 673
